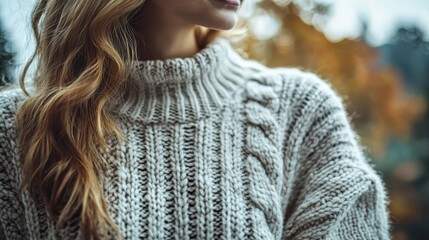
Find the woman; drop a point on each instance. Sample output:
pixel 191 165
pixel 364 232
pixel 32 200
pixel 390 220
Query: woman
pixel 143 124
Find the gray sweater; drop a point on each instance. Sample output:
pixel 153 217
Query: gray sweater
pixel 218 147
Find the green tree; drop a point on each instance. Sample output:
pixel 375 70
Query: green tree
pixel 6 58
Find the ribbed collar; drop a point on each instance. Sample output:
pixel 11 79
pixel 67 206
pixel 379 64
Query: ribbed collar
pixel 182 89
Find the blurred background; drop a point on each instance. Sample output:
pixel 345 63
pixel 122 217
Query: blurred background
pixel 374 52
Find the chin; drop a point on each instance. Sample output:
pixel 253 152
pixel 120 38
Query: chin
pixel 224 22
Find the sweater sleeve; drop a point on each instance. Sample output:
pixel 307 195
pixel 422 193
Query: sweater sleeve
pixel 337 194
pixel 12 221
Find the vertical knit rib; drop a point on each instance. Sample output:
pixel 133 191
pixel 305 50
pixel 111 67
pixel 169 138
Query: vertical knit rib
pixel 156 186
pixel 138 165
pixel 218 182
pixel 204 200
pixel 232 141
pixel 226 183
pixel 189 150
pixel 125 182
pixel 180 185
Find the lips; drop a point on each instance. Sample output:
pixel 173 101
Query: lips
pixel 230 2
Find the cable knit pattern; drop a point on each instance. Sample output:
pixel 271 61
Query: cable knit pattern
pixel 217 147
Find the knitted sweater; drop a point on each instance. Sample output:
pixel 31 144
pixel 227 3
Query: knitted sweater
pixel 218 147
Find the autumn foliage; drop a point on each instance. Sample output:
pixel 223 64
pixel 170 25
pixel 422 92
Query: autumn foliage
pixel 375 98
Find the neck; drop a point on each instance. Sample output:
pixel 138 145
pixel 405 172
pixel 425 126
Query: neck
pixel 163 36
pixel 183 89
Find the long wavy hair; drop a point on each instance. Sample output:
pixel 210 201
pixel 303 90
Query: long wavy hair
pixel 82 56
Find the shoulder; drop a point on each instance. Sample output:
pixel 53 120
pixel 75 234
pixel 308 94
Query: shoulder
pixel 297 91
pixel 10 169
pixel 305 87
pixel 10 99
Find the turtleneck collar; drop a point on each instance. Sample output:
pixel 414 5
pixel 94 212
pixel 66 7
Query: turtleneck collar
pixel 182 89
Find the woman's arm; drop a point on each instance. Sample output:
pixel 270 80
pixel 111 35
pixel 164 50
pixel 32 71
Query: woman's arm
pixel 337 194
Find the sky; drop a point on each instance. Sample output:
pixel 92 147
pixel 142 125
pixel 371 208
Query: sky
pixel 384 17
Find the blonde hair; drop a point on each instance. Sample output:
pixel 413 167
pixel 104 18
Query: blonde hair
pixel 83 51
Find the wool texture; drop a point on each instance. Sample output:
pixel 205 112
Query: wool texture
pixel 218 146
